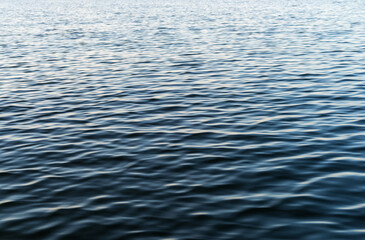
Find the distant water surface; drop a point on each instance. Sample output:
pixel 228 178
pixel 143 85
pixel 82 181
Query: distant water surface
pixel 184 120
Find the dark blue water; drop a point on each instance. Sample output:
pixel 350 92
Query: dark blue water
pixel 182 119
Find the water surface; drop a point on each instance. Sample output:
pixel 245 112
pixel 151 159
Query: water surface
pixel 182 119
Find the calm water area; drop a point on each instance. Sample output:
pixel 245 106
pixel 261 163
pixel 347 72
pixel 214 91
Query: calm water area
pixel 182 120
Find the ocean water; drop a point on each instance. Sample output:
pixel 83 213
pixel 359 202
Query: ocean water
pixel 184 120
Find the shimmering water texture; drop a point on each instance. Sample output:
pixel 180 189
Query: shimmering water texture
pixel 185 120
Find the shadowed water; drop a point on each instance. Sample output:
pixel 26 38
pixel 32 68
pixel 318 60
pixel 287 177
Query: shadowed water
pixel 185 120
